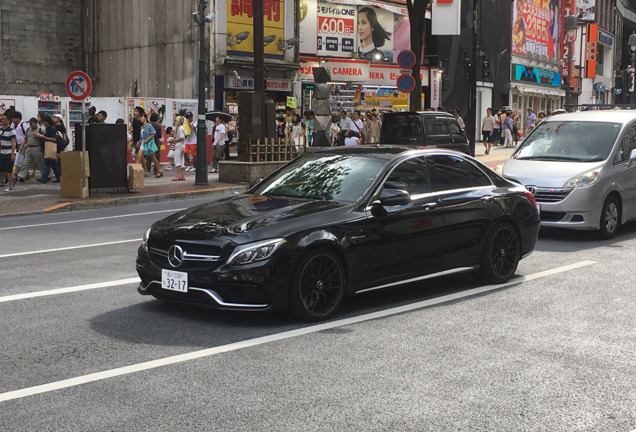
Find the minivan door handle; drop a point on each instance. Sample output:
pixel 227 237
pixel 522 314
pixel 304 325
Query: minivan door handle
pixel 488 198
pixel 430 205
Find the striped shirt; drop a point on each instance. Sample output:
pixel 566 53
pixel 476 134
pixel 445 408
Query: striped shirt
pixel 6 144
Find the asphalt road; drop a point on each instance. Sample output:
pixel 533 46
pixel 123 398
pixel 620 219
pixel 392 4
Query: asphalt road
pixel 80 350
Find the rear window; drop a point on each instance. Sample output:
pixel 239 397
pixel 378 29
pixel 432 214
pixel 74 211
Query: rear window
pixel 400 127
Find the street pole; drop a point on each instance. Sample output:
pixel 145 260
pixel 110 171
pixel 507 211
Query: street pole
pixel 201 177
pixel 568 90
pixel 472 79
pixel 631 83
pixel 258 121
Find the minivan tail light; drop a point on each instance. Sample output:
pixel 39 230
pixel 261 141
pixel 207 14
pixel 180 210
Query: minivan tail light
pixel 531 198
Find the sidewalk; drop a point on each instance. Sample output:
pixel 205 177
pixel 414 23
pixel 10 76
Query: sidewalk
pixel 32 198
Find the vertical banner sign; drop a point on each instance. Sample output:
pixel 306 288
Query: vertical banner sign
pixel 445 17
pixel 535 28
pixel 435 90
pixel 567 8
pixel 308 25
pixel 336 30
pixel 240 26
pixel 591 50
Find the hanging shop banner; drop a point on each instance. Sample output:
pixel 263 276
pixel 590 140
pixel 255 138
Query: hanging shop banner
pixel 247 83
pixel 336 30
pixel 436 78
pixel 586 9
pixel 591 48
pixel 358 71
pixel 380 74
pixel 375 34
pixel 535 28
pixel 567 8
pixel 536 75
pixel 240 26
pixel 445 17
pixel 308 24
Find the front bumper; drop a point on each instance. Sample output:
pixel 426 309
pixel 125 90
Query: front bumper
pixel 256 287
pixel 579 210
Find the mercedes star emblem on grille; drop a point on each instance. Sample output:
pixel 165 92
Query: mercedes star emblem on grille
pixel 175 255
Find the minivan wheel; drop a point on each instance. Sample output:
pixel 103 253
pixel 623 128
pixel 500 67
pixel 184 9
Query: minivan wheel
pixel 500 255
pixel 610 218
pixel 318 285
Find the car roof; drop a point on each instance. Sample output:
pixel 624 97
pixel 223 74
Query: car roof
pixel 422 113
pixel 384 149
pixel 610 116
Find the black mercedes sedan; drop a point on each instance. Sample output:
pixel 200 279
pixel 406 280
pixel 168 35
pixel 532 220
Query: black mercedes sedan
pixel 337 222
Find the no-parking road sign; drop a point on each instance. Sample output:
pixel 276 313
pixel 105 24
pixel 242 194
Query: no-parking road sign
pixel 406 83
pixel 78 85
pixel 406 59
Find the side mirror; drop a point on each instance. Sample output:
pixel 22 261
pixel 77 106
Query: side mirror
pixel 389 198
pixel 254 184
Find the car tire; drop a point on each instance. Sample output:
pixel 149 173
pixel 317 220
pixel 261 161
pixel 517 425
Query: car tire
pixel 500 255
pixel 610 218
pixel 318 286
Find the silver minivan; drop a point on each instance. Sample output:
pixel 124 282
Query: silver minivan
pixel 581 168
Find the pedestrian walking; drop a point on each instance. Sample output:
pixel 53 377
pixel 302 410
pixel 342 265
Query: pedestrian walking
pixel 487 125
pixel 220 138
pixel 147 145
pixel 334 130
pixel 179 148
pixel 515 127
pixel 8 146
pixel 50 160
pixel 298 131
pixel 20 128
pixel 496 129
pixel 507 128
pixel 374 129
pixel 191 142
pixel 154 122
pixel 345 125
pixel 531 120
pixel 33 153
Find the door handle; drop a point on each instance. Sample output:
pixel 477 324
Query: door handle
pixel 488 198
pixel 430 205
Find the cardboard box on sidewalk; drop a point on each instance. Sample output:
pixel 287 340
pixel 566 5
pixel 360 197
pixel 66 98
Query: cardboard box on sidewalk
pixel 71 181
pixel 135 177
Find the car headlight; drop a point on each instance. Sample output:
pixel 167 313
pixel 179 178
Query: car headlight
pixel 145 239
pixel 252 252
pixel 499 169
pixel 584 180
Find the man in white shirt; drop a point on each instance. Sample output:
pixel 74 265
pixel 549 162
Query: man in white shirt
pixel 220 136
pixel 345 125
pixel 487 125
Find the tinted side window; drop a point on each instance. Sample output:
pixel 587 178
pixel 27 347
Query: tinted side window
pixel 401 126
pixel 453 172
pixel 429 126
pixel 411 176
pixel 454 128
pixel 628 143
pixel 442 126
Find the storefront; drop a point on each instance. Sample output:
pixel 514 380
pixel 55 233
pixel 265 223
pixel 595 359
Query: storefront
pixel 536 88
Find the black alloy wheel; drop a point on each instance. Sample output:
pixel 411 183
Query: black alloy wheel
pixel 501 254
pixel 318 286
pixel 610 218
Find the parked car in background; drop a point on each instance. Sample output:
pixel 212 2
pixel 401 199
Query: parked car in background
pixel 338 222
pixel 581 168
pixel 433 129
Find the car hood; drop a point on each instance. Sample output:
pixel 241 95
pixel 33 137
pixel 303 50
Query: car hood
pixel 549 174
pixel 241 214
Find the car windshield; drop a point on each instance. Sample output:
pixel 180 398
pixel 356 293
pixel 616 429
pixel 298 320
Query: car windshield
pixel 339 177
pixel 570 141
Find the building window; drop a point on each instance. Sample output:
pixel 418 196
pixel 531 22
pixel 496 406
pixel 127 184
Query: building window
pixel 600 55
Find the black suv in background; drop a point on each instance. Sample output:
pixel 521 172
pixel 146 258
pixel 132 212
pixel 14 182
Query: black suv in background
pixel 423 129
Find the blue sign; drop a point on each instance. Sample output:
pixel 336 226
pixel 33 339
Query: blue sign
pixel 537 76
pixel 406 83
pixel 406 59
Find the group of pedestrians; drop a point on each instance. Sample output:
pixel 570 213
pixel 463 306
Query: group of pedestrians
pixel 500 128
pixel 27 147
pixel 354 129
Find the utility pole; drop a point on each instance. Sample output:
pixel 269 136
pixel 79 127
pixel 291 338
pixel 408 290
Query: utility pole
pixel 258 120
pixel 471 121
pixel 201 175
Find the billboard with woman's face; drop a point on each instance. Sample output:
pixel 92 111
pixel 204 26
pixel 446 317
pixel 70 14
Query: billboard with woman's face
pixel 374 34
pixel 535 27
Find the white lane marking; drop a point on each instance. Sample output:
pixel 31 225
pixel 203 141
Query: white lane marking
pixel 90 220
pixel 69 289
pixel 153 364
pixel 11 255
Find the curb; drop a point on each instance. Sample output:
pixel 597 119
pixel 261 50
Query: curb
pixel 133 200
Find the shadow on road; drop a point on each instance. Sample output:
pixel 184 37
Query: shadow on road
pixel 564 240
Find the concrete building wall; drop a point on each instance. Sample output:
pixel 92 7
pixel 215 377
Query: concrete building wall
pixel 142 47
pixel 40 44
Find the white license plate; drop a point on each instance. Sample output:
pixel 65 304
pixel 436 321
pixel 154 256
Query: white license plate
pixel 174 280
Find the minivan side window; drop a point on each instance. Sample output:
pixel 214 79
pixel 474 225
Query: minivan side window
pixel 628 143
pixel 454 128
pixel 429 126
pixel 454 172
pixel 441 125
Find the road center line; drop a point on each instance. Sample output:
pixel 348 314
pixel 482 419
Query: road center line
pixel 11 255
pixel 153 364
pixel 69 289
pixel 90 220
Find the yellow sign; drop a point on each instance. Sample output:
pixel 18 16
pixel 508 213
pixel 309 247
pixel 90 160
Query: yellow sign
pixel 291 102
pixel 240 26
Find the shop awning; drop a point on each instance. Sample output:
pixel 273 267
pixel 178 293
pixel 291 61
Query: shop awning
pixel 524 89
pixel 248 62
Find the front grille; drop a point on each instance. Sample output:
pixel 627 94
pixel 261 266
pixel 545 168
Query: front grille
pixel 196 257
pixel 550 195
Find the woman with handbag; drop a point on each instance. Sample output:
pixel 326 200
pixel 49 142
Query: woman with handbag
pixel 49 140
pixel 147 146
